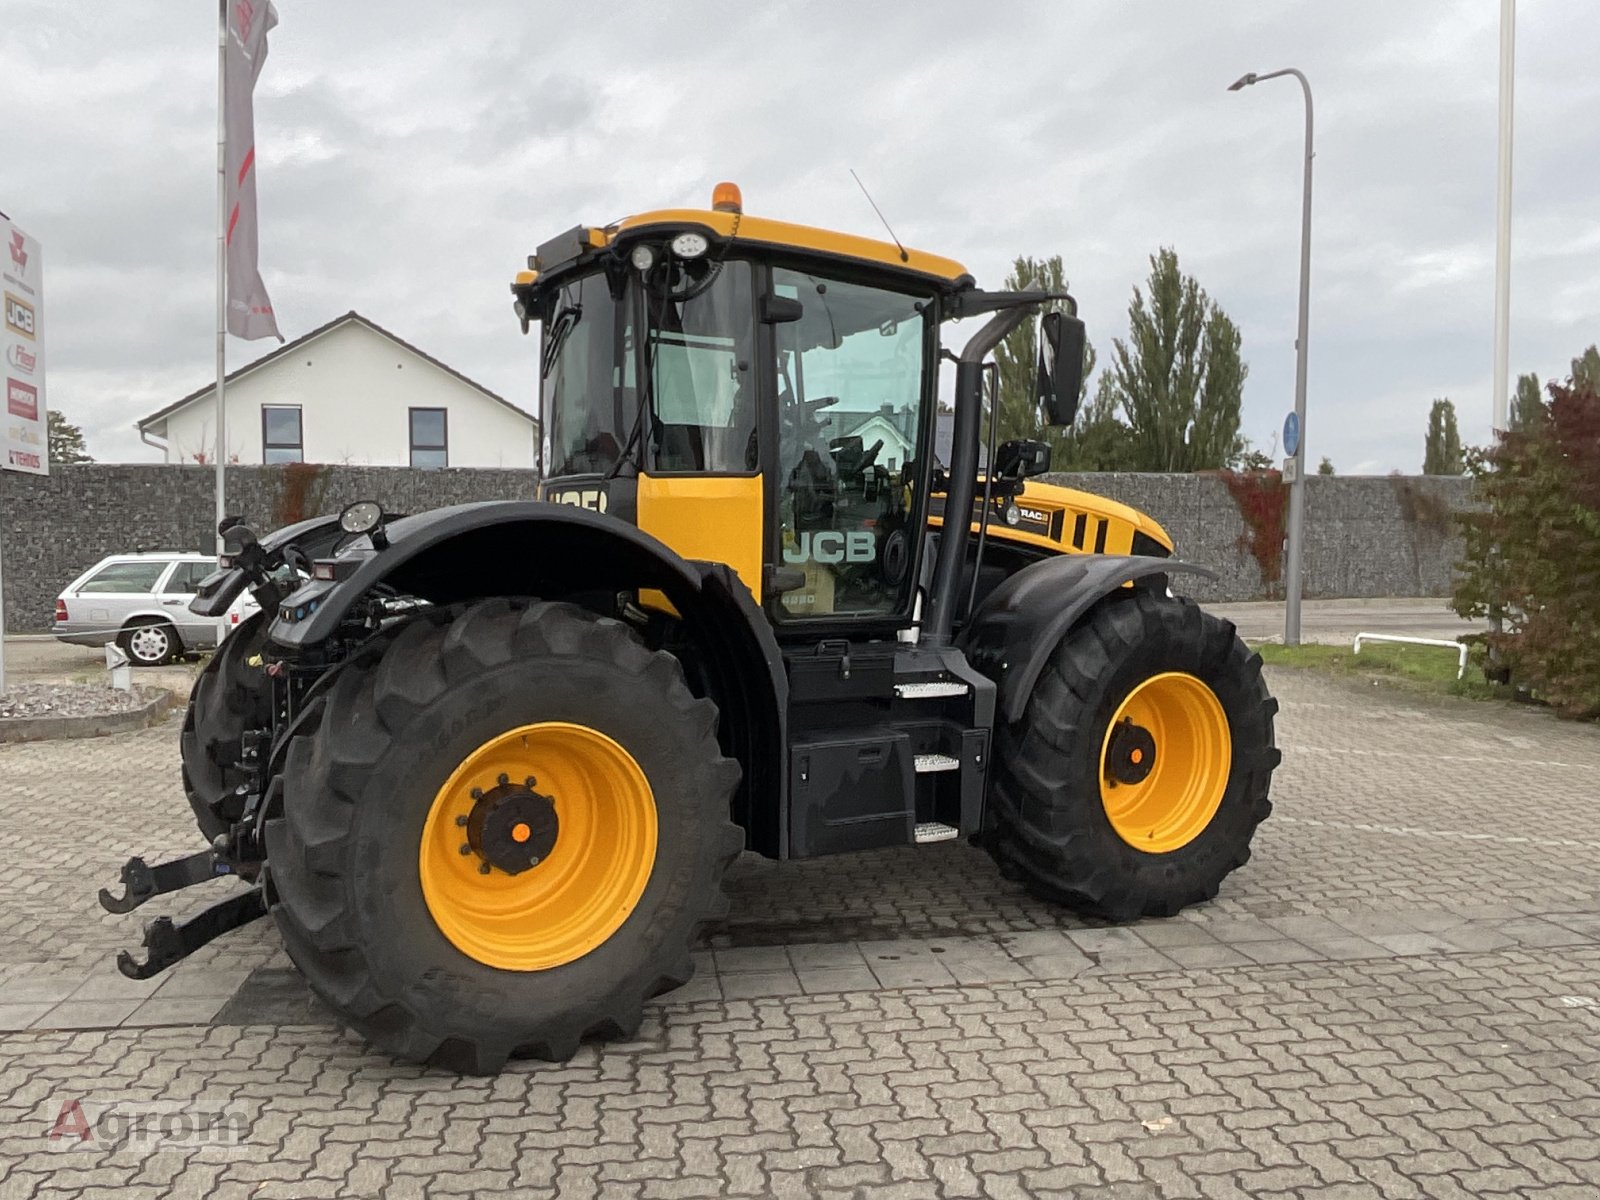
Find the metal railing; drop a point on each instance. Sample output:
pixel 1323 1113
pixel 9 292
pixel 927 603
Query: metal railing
pixel 1460 648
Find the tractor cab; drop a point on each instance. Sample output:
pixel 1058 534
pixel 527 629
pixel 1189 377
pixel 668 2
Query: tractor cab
pixel 754 393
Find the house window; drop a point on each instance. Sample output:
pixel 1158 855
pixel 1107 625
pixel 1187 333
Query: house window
pixel 429 440
pixel 282 435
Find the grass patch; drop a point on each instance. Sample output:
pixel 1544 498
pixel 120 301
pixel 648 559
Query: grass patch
pixel 1416 668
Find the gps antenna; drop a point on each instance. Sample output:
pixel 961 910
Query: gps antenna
pixel 904 257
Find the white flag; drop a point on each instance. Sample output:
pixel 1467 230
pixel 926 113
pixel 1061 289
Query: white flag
pixel 249 308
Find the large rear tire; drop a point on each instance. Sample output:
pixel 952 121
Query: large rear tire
pixel 233 694
pixel 1135 780
pixel 523 732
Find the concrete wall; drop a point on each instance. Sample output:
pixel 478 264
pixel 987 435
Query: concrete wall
pixel 1360 540
pixel 354 388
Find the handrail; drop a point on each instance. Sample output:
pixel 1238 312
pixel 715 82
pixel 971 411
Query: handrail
pixel 1461 665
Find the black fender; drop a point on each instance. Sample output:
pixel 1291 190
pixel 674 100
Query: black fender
pixel 1022 621
pixel 562 552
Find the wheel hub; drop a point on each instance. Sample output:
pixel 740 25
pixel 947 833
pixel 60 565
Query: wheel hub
pixel 1130 754
pixel 563 794
pixel 512 827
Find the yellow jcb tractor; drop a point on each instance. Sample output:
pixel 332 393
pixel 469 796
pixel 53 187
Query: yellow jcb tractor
pixel 486 765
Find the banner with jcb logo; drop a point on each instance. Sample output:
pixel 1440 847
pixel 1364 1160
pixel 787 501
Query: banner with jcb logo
pixel 23 435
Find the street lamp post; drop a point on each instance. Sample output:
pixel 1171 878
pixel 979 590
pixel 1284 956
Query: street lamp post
pixel 1297 488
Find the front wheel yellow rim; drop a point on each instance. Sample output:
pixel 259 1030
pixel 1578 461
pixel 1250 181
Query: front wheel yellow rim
pixel 1164 762
pixel 565 798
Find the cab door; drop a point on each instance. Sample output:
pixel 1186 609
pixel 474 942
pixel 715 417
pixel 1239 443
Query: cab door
pixel 702 490
pixel 851 403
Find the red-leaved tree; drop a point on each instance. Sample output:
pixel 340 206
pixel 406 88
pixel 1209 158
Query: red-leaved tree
pixel 1533 548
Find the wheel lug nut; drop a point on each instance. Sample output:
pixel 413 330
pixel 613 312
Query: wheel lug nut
pixel 485 869
pixel 504 779
pixel 530 782
pixel 466 849
pixel 477 793
pixel 461 820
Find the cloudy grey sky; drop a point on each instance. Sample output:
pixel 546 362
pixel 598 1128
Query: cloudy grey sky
pixel 410 154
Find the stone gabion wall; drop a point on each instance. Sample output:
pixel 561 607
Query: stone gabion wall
pixel 1365 536
pixel 55 528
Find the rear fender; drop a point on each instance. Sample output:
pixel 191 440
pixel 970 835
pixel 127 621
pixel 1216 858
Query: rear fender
pixel 561 552
pixel 1021 622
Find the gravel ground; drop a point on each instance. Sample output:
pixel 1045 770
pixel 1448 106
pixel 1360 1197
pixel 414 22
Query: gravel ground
pixel 71 700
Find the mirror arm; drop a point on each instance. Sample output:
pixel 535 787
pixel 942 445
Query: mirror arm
pixel 972 303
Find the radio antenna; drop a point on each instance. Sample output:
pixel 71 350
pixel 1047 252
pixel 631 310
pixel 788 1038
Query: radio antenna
pixel 904 257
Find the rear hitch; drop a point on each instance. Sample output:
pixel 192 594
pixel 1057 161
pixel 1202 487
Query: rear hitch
pixel 167 943
pixel 141 881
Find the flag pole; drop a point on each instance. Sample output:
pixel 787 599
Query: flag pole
pixel 220 454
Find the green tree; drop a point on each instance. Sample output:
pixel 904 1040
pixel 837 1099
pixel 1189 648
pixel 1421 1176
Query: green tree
pixel 1527 403
pixel 66 441
pixel 1586 369
pixel 1178 379
pixel 1099 440
pixel 1251 458
pixel 1071 449
pixel 1442 454
pixel 1325 467
pixel 1529 550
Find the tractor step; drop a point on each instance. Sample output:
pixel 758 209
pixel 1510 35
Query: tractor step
pixel 168 943
pixel 928 763
pixel 933 831
pixel 930 690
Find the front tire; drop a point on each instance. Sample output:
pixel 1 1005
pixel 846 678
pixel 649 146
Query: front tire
pixel 1135 780
pixel 231 695
pixel 522 731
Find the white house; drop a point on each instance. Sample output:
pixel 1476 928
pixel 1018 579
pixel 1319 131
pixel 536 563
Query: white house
pixel 349 392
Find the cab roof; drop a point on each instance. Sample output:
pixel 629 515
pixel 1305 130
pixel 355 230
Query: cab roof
pixel 740 228
pixel 763 231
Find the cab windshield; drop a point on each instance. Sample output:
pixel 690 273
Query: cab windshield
pixel 697 356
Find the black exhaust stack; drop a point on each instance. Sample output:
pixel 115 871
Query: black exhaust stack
pixel 942 600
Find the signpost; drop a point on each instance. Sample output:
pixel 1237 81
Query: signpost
pixel 24 436
pixel 1291 434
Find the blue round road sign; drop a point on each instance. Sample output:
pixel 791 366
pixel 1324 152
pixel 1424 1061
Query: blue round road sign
pixel 1291 434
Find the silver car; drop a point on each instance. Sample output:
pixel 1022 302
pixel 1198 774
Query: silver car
pixel 141 602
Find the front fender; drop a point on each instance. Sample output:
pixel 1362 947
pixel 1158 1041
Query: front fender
pixel 491 548
pixel 1021 622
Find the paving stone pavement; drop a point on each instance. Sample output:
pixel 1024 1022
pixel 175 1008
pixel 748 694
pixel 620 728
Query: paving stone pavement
pixel 1398 996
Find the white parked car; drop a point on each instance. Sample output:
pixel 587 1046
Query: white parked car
pixel 141 602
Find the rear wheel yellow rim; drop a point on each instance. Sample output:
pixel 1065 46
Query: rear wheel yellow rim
pixel 582 889
pixel 1161 791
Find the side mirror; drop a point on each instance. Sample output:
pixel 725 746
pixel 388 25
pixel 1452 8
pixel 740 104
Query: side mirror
pixel 1060 378
pixel 1021 459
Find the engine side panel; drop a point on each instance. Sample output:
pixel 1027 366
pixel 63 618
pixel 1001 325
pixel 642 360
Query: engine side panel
pixel 1060 520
